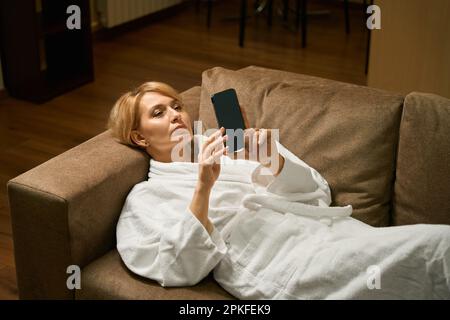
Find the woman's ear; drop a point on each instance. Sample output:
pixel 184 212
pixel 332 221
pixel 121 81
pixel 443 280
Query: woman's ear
pixel 138 139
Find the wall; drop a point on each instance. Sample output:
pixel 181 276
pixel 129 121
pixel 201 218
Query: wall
pixel 411 52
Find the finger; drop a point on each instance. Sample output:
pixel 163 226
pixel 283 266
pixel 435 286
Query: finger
pixel 219 153
pixel 244 116
pixel 248 134
pixel 215 157
pixel 264 147
pixel 213 137
pixel 214 145
pixel 219 144
pixel 262 137
pixel 249 131
pixel 255 149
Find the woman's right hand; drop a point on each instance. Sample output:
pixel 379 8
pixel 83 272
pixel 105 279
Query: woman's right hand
pixel 209 159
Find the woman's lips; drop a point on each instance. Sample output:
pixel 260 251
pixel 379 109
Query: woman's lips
pixel 177 130
pixel 180 126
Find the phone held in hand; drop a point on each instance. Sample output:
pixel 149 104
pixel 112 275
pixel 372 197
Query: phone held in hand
pixel 229 115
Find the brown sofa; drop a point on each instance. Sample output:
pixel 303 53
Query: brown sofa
pixel 387 155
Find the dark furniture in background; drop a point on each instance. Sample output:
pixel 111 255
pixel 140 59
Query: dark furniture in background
pixel 42 58
pixel 301 15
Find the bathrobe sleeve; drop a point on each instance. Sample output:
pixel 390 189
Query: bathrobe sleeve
pixel 296 177
pixel 172 252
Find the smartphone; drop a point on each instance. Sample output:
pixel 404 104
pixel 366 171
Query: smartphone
pixel 229 116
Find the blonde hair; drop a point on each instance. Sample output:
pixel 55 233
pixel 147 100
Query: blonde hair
pixel 125 114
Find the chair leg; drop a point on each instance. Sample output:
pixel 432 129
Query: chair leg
pixel 347 20
pixel 208 15
pixel 365 7
pixel 304 22
pixel 269 12
pixel 285 10
pixel 242 22
pixel 256 5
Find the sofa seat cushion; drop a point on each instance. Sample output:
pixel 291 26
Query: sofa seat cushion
pixel 349 133
pixel 108 278
pixel 422 185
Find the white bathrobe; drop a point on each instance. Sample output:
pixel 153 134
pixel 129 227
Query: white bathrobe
pixel 275 238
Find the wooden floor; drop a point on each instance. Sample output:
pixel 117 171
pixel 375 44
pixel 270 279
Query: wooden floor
pixel 175 50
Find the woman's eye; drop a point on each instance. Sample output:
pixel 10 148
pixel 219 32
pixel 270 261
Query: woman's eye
pixel 157 113
pixel 177 107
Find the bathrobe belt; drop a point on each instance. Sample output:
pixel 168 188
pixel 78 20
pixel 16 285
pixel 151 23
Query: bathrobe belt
pixel 255 202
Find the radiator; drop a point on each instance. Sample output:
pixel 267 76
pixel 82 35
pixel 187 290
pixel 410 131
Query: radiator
pixel 115 12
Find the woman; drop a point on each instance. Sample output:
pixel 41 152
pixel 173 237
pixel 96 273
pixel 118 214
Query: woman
pixel 263 226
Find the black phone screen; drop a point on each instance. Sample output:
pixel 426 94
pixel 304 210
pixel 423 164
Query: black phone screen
pixel 229 116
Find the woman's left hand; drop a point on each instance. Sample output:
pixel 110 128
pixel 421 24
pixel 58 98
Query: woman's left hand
pixel 260 146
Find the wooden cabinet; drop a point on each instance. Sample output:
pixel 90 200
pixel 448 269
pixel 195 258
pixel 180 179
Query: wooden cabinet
pixel 41 57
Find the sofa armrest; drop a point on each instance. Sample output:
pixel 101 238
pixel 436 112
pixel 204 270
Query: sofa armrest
pixel 64 212
pixel 422 184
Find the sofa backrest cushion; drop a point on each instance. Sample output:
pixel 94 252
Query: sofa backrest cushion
pixel 348 133
pixel 422 185
pixel 191 101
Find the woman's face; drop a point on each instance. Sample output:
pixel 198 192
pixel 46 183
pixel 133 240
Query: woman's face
pixel 160 117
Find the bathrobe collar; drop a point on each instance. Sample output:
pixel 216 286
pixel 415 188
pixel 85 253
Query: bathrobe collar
pixel 234 170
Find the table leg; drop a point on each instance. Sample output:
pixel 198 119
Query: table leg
pixel 347 18
pixel 208 16
pixel 304 22
pixel 285 10
pixel 242 22
pixel 269 12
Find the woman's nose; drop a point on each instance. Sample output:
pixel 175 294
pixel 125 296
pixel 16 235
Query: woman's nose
pixel 175 115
